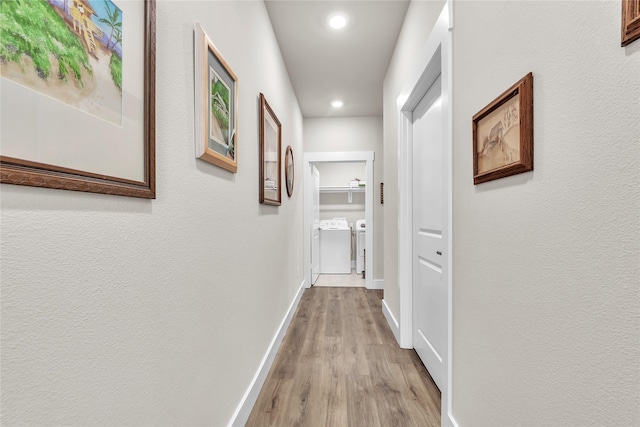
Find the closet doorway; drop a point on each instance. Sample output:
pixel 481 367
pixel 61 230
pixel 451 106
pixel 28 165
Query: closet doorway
pixel 334 189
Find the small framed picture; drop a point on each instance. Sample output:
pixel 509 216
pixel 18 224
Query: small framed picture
pixel 503 134
pixel 630 21
pixel 270 152
pixel 216 88
pixel 289 170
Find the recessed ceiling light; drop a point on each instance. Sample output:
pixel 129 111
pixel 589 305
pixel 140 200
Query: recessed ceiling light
pixel 338 21
pixel 336 104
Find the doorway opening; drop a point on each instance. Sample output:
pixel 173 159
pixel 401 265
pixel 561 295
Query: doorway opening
pixel 348 203
pixel 340 214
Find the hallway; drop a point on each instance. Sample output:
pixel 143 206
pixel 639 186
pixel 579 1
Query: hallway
pixel 339 365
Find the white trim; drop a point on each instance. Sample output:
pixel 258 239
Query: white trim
pixel 393 323
pixel 405 223
pixel 241 415
pixel 333 157
pixel 436 56
pixel 378 284
pixel 449 152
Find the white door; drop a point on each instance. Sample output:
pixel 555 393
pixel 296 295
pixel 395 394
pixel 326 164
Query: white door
pixel 315 226
pixel 429 266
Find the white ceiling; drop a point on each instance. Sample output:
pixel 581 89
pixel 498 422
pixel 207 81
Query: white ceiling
pixel 348 64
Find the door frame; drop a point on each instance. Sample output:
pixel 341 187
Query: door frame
pixel 435 59
pixel 337 157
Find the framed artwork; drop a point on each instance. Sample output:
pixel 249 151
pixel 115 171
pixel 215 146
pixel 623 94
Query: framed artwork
pixel 270 152
pixel 503 134
pixel 630 21
pixel 216 88
pixel 78 104
pixel 289 170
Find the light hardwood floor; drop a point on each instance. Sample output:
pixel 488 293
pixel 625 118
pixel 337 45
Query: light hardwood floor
pixel 340 280
pixel 339 365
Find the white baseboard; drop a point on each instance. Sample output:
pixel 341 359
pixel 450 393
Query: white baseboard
pixel 377 284
pixel 241 415
pixel 393 323
pixel 452 420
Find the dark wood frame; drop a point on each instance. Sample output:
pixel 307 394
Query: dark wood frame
pixel 630 21
pixel 524 87
pixel 25 172
pixel 204 46
pixel 265 108
pixel 289 153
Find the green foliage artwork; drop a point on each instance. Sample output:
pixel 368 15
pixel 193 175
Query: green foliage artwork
pixel 69 50
pixel 219 109
pixel 115 64
pixel 34 29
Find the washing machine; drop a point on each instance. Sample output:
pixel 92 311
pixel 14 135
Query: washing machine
pixel 360 245
pixel 335 246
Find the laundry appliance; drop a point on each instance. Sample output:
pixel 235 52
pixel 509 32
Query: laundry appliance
pixel 335 246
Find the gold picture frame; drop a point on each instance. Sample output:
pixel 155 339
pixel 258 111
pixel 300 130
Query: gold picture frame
pixel 216 87
pixel 503 134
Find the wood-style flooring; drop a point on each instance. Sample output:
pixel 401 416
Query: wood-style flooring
pixel 340 280
pixel 339 365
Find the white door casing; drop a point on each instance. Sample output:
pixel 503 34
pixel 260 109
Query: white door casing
pixel 434 60
pixel 332 157
pixel 429 290
pixel 315 225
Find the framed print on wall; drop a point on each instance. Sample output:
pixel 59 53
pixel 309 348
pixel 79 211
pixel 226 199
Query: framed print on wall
pixel 630 21
pixel 289 170
pixel 270 152
pixel 216 105
pixel 503 134
pixel 78 95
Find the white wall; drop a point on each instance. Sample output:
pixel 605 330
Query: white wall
pixel 546 311
pixel 341 173
pixel 121 311
pixel 420 19
pixel 354 134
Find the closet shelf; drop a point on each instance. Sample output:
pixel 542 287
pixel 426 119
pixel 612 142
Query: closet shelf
pixel 342 189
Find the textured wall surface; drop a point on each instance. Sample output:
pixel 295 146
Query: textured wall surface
pixel 354 134
pixel 547 263
pixel 420 19
pixel 120 311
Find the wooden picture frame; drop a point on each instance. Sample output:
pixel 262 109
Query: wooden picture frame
pixel 216 87
pixel 270 154
pixel 289 170
pixel 56 132
pixel 630 21
pixel 503 134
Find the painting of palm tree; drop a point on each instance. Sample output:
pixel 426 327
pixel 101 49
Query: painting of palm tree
pixel 112 21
